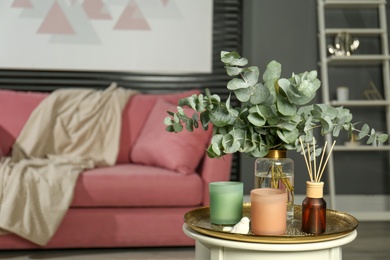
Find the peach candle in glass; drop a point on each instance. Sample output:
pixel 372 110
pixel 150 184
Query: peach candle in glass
pixel 268 211
pixel 226 198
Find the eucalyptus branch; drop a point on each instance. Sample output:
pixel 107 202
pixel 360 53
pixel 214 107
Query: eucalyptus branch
pixel 273 114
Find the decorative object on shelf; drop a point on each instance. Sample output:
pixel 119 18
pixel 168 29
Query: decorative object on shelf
pixel 342 93
pixel 344 45
pixel 353 141
pixel 226 198
pixel 314 205
pixel 268 211
pixel 277 172
pixel 372 93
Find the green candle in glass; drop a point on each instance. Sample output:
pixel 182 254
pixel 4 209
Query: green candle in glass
pixel 226 199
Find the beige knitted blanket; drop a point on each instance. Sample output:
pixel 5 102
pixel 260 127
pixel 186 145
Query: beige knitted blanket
pixel 71 130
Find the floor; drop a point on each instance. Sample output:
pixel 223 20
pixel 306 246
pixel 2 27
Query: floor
pixel 372 243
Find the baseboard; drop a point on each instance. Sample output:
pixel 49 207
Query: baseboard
pixel 362 207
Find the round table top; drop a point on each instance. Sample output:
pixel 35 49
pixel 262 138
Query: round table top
pixel 337 242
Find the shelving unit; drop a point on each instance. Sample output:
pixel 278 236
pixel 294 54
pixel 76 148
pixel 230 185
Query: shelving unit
pixel 378 59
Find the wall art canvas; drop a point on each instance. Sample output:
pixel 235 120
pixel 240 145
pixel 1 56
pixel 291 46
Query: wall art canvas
pixel 151 36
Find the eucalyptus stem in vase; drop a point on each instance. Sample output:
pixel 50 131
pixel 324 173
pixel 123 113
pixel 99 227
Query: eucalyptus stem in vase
pixel 279 180
pixel 277 171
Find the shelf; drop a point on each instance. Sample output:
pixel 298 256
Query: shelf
pixel 357 59
pixel 361 148
pixel 353 3
pixel 355 31
pixel 331 65
pixel 360 103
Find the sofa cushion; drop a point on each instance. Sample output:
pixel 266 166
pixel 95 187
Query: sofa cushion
pixel 131 185
pixel 179 152
pixel 135 115
pixel 16 107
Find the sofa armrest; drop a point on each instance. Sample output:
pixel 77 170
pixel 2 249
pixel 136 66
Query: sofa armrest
pixel 214 169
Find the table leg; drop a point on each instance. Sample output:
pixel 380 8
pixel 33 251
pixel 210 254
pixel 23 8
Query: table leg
pixel 205 251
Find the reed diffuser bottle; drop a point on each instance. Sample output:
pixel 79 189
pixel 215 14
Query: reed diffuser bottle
pixel 314 205
pixel 314 209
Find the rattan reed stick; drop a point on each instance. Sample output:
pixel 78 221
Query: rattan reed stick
pixel 327 158
pixel 304 155
pixel 318 172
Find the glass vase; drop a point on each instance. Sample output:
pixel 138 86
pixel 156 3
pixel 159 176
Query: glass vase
pixel 277 171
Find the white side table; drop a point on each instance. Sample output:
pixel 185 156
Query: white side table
pixel 212 248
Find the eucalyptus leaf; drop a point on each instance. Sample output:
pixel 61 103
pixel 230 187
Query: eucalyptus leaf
pixel 215 98
pixel 327 125
pixel 220 117
pixel 383 138
pixel 285 107
pixel 233 58
pixel 177 127
pixel 250 143
pixel 363 132
pixel 371 139
pixel 216 149
pixel 273 71
pixel 339 126
pixel 233 71
pixel 236 83
pixel 259 94
pixel 180 110
pixel 230 144
pixel 288 136
pixel 211 153
pixel 205 119
pixel 216 143
pixel 190 125
pixel 176 119
pixel 168 121
pixel 200 106
pixel 259 152
pixel 289 126
pixel 243 95
pixel 256 119
pixel 251 75
pixel 170 128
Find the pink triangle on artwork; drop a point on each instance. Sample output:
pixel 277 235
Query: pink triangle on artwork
pixel 22 4
pixel 165 2
pixel 56 22
pixel 95 9
pixel 132 19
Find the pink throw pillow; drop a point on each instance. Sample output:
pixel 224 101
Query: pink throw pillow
pixel 135 115
pixel 180 152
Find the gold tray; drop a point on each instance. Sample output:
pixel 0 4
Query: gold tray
pixel 338 224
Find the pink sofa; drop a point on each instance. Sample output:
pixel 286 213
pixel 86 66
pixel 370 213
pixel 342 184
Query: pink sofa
pixel 140 201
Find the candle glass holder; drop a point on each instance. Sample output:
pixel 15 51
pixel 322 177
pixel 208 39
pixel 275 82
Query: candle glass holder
pixel 226 201
pixel 268 211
